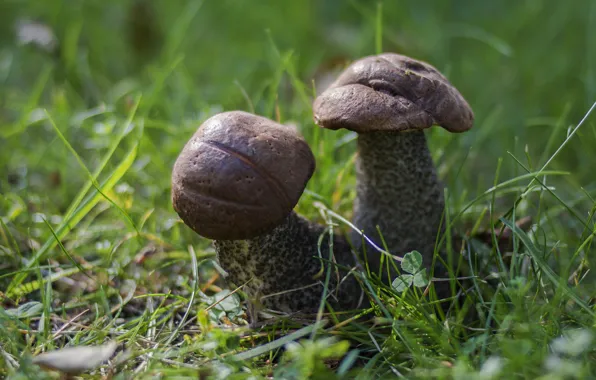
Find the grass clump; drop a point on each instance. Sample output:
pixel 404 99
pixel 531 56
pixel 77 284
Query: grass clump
pixel 95 109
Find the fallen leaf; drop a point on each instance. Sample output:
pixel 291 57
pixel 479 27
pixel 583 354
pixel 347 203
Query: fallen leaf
pixel 74 360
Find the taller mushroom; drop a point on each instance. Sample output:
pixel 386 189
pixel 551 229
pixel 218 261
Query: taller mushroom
pixel 236 181
pixel 389 100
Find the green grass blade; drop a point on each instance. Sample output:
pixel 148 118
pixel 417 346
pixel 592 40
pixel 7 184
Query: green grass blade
pixel 63 249
pixel 558 282
pixel 125 130
pixel 91 177
pixel 78 215
pixel 379 29
pixel 32 102
pixel 258 351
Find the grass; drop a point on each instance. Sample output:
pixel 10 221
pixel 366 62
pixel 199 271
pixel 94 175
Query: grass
pixel 91 249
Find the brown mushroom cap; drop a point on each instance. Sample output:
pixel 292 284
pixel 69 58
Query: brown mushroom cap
pixel 239 176
pixel 392 92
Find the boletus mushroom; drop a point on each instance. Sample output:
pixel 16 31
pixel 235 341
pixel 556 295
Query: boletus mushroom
pixel 237 181
pixel 389 100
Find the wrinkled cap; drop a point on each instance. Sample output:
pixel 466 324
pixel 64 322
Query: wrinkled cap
pixel 392 92
pixel 239 176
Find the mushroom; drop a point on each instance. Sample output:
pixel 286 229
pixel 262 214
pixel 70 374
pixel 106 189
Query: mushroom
pixel 389 100
pixel 236 181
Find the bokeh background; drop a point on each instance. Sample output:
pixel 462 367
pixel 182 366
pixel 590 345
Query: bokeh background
pixel 527 67
pixel 115 88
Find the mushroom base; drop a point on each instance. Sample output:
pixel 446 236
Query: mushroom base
pixel 398 190
pixel 282 269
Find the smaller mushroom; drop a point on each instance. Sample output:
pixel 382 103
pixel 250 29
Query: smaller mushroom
pixel 389 100
pixel 236 181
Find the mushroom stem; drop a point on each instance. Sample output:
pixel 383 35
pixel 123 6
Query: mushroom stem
pixel 389 99
pixel 282 269
pixel 398 190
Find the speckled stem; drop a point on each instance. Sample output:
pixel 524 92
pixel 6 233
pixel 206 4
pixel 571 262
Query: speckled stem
pixel 399 191
pixel 286 259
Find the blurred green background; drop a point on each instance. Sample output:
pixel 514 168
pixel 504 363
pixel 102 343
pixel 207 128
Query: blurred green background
pixel 127 82
pixel 527 67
